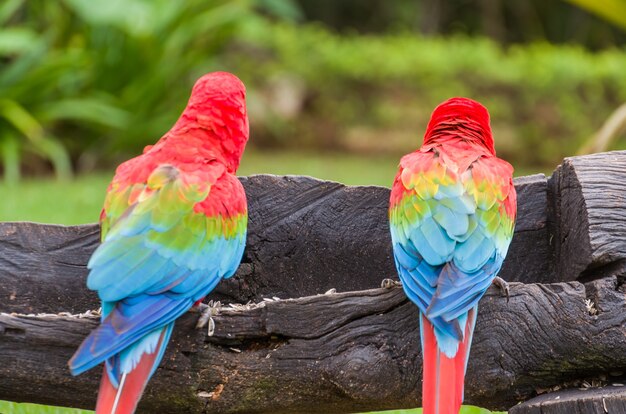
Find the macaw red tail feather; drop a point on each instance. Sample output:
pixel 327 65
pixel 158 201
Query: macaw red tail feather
pixel 442 386
pixel 123 400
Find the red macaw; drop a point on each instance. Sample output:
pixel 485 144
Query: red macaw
pixel 173 225
pixel 452 213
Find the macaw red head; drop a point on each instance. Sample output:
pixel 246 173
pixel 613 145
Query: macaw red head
pixel 463 116
pixel 216 112
pixel 218 88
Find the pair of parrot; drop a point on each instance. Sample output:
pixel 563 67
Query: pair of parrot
pixel 174 224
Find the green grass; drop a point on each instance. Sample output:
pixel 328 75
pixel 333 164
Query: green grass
pixel 50 201
pixel 15 408
pixel 350 169
pixel 466 409
pixel 7 407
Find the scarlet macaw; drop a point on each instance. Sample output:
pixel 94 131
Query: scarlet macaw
pixel 173 225
pixel 452 213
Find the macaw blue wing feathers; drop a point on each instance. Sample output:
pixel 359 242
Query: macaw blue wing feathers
pixel 156 260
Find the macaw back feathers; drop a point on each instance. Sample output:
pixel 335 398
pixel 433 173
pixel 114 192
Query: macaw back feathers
pixel 161 255
pixel 450 229
pixel 451 207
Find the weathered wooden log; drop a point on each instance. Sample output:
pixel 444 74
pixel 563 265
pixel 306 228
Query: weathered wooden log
pixel 606 400
pixel 339 353
pixel 43 267
pixel 305 236
pixel 295 221
pixel 349 352
pixel 530 257
pixel 589 203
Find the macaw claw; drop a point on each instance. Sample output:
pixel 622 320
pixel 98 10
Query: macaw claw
pixel 207 312
pixel 503 285
pixel 389 283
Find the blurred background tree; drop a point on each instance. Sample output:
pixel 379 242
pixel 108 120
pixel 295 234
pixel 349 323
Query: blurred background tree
pixel 503 21
pixel 85 84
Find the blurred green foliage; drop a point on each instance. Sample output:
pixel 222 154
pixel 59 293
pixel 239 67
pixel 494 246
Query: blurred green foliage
pixel 92 85
pixel 504 21
pixel 361 92
pixel 611 10
pixel 87 83
pixel 83 79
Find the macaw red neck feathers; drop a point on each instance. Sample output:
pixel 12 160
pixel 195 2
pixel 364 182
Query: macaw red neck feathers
pixel 215 118
pixel 460 118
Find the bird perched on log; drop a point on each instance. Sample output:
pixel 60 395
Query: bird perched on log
pixel 173 225
pixel 452 213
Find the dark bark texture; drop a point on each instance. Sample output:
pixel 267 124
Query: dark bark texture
pixel 305 236
pixel 334 353
pixel 590 215
pixel 605 400
pixel 348 352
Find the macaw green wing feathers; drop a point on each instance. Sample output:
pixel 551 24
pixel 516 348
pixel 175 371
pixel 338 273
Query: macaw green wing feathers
pixel 160 253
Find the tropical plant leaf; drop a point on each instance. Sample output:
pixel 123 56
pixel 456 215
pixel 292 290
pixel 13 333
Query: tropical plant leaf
pixel 51 148
pixel 42 143
pixel 132 16
pixel 613 11
pixel 95 110
pixel 8 9
pixel 10 151
pixel 15 41
pixel 19 117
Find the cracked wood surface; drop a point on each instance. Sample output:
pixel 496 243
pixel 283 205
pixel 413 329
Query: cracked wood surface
pixel 305 237
pixel 590 215
pixel 605 400
pixel 336 353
